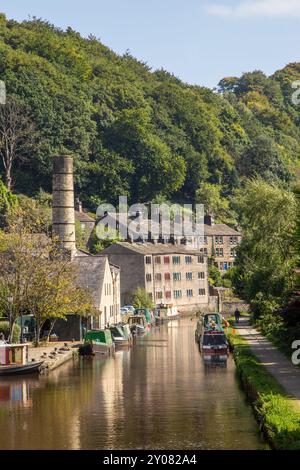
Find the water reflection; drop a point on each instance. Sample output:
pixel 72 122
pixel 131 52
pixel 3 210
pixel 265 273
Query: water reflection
pixel 156 395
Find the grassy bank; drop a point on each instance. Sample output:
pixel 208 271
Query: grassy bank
pixel 277 414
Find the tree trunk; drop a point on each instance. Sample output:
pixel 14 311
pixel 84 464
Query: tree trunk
pixel 37 334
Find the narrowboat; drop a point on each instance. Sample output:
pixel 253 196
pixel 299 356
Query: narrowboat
pixel 97 342
pixel 148 314
pixel 166 312
pixel 14 360
pixel 211 338
pixel 214 346
pixel 118 335
pixel 138 324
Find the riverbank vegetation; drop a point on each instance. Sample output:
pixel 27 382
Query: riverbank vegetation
pixel 266 273
pixel 276 412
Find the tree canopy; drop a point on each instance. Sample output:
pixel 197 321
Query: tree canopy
pixel 138 132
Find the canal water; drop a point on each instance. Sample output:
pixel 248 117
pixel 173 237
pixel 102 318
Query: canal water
pixel 156 395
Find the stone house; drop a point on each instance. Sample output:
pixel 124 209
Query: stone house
pixel 170 274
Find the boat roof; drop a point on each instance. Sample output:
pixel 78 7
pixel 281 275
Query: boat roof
pixel 17 345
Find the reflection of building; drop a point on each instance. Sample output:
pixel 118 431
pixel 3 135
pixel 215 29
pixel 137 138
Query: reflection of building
pixel 171 274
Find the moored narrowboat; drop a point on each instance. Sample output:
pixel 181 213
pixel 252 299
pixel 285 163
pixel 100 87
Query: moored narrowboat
pixel 119 337
pixel 97 342
pixel 138 324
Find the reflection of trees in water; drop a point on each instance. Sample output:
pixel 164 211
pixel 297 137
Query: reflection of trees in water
pixel 158 394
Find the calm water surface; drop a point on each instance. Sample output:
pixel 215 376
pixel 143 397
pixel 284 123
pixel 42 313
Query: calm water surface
pixel 156 395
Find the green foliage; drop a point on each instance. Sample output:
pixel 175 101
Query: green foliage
pixel 141 299
pixel 4 328
pixel 101 238
pixel 265 259
pixel 215 278
pixel 7 199
pixel 141 133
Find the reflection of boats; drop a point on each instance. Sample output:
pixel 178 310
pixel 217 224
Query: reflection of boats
pixel 166 312
pixel 15 392
pixel 211 338
pixel 120 338
pixel 14 360
pixel 97 341
pixel 138 324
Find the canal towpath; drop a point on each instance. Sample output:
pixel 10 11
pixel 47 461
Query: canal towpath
pixel 278 365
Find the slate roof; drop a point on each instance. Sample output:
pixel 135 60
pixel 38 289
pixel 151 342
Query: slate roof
pixel 150 248
pixel 219 229
pixel 145 226
pixel 90 274
pixel 83 217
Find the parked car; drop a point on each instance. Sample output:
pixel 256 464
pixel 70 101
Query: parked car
pixel 130 308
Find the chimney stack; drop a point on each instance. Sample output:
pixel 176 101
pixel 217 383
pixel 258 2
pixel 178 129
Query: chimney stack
pixel 209 219
pixel 63 217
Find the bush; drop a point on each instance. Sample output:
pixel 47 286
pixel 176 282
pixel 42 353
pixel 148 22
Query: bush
pixel 261 305
pixel 4 328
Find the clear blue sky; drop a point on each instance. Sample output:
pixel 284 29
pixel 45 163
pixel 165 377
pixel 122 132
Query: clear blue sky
pixel 200 41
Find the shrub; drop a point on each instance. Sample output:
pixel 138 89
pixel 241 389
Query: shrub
pixel 4 328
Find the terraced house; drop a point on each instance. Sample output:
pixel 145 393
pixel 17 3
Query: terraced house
pixel 171 274
pixel 220 242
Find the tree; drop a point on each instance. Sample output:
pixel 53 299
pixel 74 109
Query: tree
pixel 266 255
pixel 8 201
pixel 36 278
pixel 262 158
pixel 141 299
pixel 16 135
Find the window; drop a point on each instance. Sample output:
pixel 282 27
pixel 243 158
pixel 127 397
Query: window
pixel 166 259
pixel 157 260
pixel 201 275
pixel 233 240
pixel 168 294
pixel 159 295
pixel 205 240
pixel 148 259
pixel 176 276
pixel 158 276
pixel 189 276
pixel 167 276
pixel 221 266
pixel 201 291
pixel 189 293
pixel 176 259
pixel 200 259
pixel 219 252
pixel 233 252
pixel 218 240
pixel 188 260
pixel 177 294
pixel 148 277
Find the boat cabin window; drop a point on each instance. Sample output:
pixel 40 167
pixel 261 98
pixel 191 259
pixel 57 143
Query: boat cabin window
pixel 214 340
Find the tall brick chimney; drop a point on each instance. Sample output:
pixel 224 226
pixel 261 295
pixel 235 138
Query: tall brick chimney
pixel 63 217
